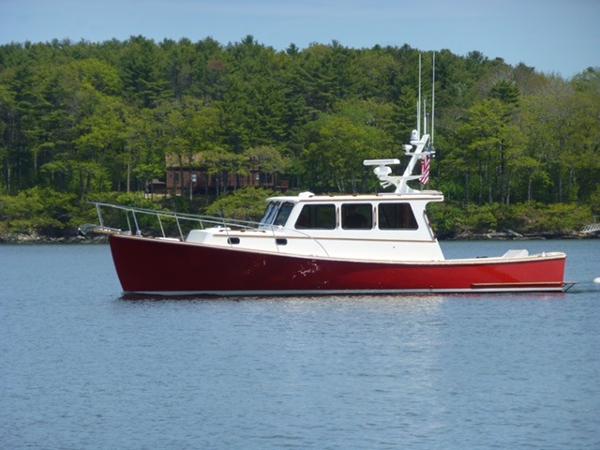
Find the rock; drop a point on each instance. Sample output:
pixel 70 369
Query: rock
pixel 35 238
pixel 514 234
pixel 27 238
pixel 500 236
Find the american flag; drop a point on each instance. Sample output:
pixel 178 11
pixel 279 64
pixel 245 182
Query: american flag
pixel 425 166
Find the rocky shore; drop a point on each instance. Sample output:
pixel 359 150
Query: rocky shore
pixel 508 235
pixel 511 235
pixel 34 238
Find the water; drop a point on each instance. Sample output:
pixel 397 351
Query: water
pixel 82 368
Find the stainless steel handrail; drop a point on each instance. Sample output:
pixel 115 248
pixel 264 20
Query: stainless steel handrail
pixel 220 222
pixel 187 216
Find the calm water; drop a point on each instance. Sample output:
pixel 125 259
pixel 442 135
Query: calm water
pixel 82 368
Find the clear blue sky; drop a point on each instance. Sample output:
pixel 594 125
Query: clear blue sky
pixel 560 36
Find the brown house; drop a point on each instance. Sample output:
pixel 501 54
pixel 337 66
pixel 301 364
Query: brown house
pixel 181 172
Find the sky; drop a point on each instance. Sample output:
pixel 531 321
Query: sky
pixel 554 36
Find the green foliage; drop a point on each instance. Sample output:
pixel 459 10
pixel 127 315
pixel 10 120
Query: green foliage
pixel 37 210
pixel 554 218
pixel 244 204
pixel 336 145
pixel 505 91
pixel 83 120
pixel 528 218
pixel 479 219
pixel 267 159
pixel 444 218
pixel 595 201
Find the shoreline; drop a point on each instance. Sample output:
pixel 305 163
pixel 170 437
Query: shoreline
pixel 27 239
pixel 35 239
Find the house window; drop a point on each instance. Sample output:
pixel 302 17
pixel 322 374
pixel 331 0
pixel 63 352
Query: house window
pixel 396 216
pixel 316 217
pixel 357 216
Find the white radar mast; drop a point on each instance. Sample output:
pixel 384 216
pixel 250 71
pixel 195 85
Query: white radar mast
pixel 419 147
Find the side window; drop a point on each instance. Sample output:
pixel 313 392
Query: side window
pixel 396 216
pixel 284 212
pixel 321 217
pixel 357 216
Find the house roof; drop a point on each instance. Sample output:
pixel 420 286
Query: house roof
pixel 173 160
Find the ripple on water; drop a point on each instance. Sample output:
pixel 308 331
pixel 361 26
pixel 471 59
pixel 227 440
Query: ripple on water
pixel 83 368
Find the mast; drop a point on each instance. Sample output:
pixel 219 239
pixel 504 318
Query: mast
pixel 421 146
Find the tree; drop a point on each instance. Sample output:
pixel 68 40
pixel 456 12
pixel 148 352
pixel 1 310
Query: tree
pixel 88 118
pixel 491 142
pixel 244 204
pixel 335 149
pixel 141 72
pixel 222 164
pixel 506 91
pixel 267 160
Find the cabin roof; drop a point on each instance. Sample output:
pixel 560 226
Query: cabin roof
pixel 434 196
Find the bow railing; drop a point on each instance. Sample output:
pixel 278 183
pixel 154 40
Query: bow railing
pixel 131 220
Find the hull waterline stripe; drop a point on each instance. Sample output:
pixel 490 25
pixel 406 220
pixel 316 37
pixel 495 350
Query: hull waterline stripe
pixel 518 285
pixel 351 292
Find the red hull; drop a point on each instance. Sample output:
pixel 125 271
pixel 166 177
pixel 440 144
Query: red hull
pixel 164 267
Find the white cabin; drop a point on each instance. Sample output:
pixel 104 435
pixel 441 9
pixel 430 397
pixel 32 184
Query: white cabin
pixel 391 227
pixel 388 227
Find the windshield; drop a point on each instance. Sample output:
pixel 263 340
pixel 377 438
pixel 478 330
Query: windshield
pixel 270 213
pixel 284 212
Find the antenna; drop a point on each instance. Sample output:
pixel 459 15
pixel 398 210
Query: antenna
pixel 419 102
pixel 433 101
pixel 420 148
pixel 425 115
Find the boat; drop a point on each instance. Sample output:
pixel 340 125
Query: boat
pixel 310 244
pixel 318 244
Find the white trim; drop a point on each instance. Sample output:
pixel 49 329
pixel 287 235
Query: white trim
pixel 347 292
pixel 248 234
pixel 433 196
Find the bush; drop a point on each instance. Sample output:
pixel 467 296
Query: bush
pixel 448 219
pixel 444 218
pixel 245 204
pixel 595 201
pixel 479 219
pixel 38 210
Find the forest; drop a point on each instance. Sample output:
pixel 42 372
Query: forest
pixel 515 148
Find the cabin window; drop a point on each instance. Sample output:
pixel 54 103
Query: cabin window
pixel 284 212
pixel 270 213
pixel 396 216
pixel 321 217
pixel 357 216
